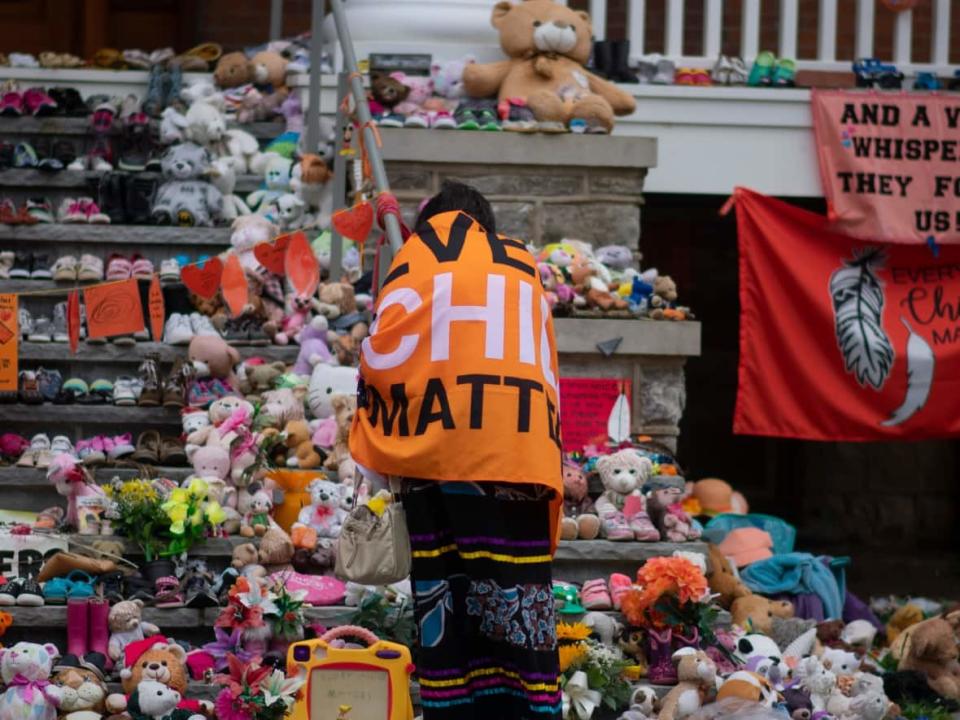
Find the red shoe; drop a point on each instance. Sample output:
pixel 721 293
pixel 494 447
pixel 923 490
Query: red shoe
pixel 37 102
pixel 11 104
pixel 8 212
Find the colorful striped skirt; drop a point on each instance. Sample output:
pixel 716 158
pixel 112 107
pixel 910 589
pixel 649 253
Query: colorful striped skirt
pixel 483 601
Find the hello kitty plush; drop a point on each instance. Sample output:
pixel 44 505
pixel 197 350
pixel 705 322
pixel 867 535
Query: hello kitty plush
pixel 621 506
pixel 25 669
pixel 323 518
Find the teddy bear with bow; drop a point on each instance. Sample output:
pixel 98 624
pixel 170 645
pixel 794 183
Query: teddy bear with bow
pixel 621 505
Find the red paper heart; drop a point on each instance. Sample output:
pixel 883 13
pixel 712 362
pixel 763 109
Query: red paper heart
pixel 6 315
pixel 270 255
pixel 354 223
pixel 302 268
pixel 234 286
pixel 204 281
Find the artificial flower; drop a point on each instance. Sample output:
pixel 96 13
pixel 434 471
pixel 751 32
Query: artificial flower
pixel 571 655
pixel 659 576
pixel 258 597
pixel 198 488
pixel 277 686
pixel 231 707
pixel 237 615
pixel 215 513
pixel 572 631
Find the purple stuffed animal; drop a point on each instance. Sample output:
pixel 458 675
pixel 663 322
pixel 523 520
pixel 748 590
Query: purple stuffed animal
pixel 313 346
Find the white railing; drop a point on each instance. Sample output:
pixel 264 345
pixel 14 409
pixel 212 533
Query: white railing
pixel 824 17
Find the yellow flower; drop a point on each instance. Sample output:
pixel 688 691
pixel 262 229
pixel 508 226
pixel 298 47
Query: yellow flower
pixel 196 517
pixel 179 496
pixel 177 512
pixel 177 528
pixel 198 488
pixel 215 513
pixel 572 631
pixel 571 655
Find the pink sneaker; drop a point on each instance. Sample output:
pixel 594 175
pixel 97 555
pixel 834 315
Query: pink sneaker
pixel 118 268
pixel 615 527
pixel 120 445
pixel 594 595
pixel 92 212
pixel 37 102
pixel 11 104
pixel 619 585
pixel 71 211
pixel 92 450
pixel 141 267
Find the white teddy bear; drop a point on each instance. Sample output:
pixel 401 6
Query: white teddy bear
pixel 621 506
pixel 324 514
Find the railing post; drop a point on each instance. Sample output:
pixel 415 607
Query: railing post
pixel 940 46
pixel 391 222
pixel 674 42
pixel 636 26
pixel 863 43
pixel 750 29
pixel 789 11
pixel 276 19
pixel 312 128
pixel 339 178
pixel 827 31
pixel 598 18
pixel 903 37
pixel 712 27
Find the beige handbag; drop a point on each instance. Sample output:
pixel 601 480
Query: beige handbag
pixel 372 549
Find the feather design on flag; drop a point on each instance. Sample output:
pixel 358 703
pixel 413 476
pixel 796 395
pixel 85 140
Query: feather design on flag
pixel 618 423
pixel 858 312
pixel 920 365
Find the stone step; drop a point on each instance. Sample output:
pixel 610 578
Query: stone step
pixel 111 353
pixel 637 336
pixel 17 178
pixel 55 125
pixel 51 414
pixel 83 234
pixel 581 560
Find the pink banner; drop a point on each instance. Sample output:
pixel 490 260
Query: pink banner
pixel 890 164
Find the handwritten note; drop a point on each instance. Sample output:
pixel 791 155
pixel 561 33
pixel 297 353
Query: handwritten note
pixel 585 405
pixel 366 691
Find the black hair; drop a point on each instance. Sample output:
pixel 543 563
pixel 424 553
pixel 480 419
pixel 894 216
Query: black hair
pixel 457 196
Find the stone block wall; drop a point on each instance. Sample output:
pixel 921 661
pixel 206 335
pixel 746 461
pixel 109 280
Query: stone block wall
pixel 539 204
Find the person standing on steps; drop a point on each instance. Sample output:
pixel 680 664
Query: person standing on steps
pixel 458 399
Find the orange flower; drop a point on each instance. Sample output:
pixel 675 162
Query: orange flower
pixel 659 576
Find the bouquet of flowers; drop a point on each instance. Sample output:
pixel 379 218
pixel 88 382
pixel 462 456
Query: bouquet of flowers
pixel 163 519
pixel 253 692
pixel 592 674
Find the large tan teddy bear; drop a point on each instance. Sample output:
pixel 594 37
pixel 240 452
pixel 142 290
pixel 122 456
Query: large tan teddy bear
pixel 547 45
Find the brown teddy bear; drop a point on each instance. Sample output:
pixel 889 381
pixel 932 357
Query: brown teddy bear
pixel 547 45
pixel 386 93
pixel 126 626
pixel 301 452
pixel 344 408
pixel 664 298
pixel 212 357
pixel 232 70
pixel 260 378
pixel 161 661
pixel 722 580
pixel 336 299
pixel 756 613
pixel 83 692
pixel 931 648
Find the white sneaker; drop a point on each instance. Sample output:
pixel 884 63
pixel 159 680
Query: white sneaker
pixel 178 330
pixel 123 392
pixel 201 325
pixel 61 444
pixel 169 271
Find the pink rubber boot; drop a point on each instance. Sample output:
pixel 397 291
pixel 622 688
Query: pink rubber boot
pixel 78 614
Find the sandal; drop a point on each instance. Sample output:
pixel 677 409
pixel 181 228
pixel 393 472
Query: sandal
pixel 148 448
pixel 56 591
pixel 168 593
pixel 172 452
pixel 762 71
pixel 595 596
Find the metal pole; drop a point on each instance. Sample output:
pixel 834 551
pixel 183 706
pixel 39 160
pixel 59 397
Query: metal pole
pixel 339 179
pixel 316 48
pixel 276 19
pixel 391 222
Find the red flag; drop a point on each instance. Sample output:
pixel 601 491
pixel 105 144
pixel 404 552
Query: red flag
pixel 73 320
pixel 840 338
pixel 156 308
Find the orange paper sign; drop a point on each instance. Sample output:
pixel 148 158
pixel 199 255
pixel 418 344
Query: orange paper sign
pixel 302 268
pixel 73 320
pixel 113 309
pixel 9 337
pixel 233 286
pixel 156 309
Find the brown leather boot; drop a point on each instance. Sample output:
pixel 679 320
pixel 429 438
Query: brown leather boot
pixel 150 374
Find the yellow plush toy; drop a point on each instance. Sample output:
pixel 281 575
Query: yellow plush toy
pixel 547 45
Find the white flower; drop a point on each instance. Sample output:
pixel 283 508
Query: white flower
pixel 258 597
pixel 277 686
